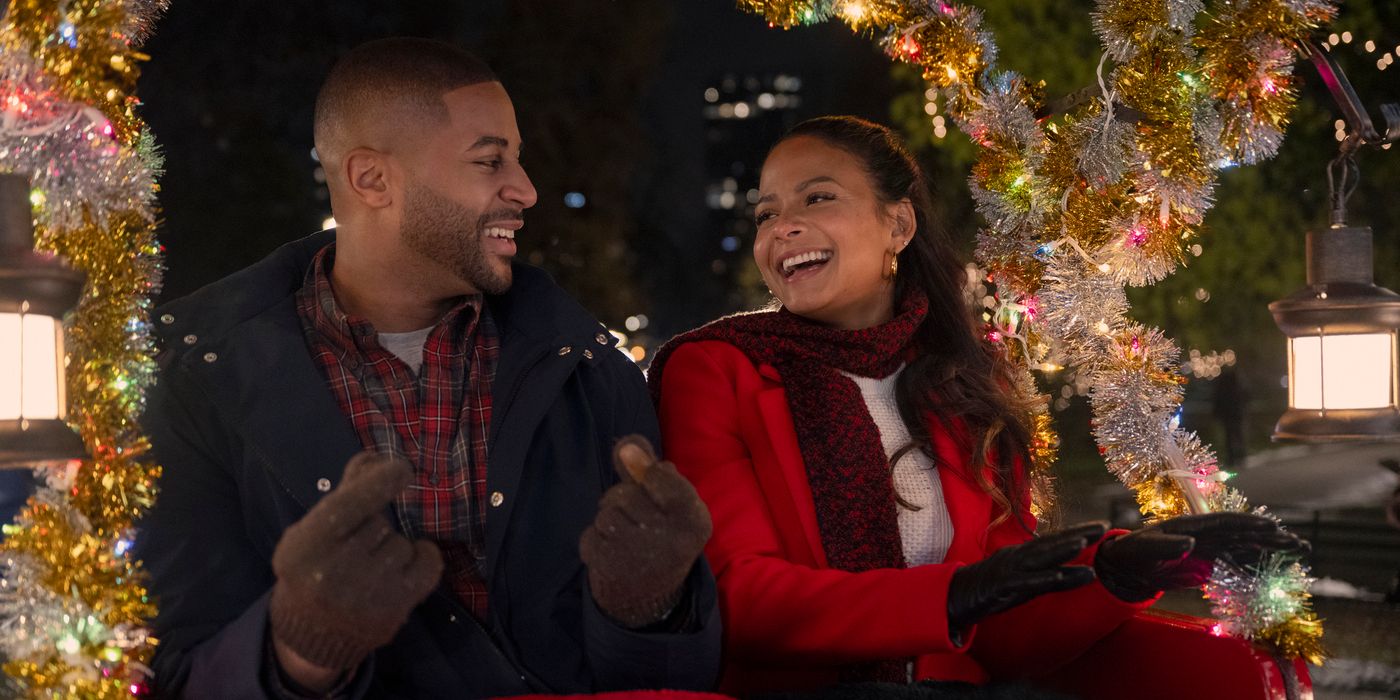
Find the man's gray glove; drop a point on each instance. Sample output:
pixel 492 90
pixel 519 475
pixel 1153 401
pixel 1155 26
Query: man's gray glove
pixel 648 533
pixel 346 580
pixel 1014 575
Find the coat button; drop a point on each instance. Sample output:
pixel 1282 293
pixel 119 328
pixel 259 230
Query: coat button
pixel 323 485
pixel 451 618
pixel 191 339
pixel 167 319
pixel 602 338
pixel 565 350
pixel 497 498
pixel 210 357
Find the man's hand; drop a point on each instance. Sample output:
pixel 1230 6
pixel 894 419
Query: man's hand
pixel 648 533
pixel 346 580
pixel 1014 575
pixel 1181 552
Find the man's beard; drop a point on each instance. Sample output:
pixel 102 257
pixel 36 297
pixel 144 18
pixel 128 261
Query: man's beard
pixel 450 234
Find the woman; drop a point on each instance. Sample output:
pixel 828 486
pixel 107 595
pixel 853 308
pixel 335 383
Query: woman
pixel 861 451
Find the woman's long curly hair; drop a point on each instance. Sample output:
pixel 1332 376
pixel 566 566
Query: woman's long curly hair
pixel 955 374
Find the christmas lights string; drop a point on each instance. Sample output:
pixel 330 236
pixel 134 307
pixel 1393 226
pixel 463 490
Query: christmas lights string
pixel 73 608
pixel 1112 193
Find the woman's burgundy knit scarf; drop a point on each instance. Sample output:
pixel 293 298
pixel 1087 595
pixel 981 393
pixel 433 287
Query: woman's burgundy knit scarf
pixel 846 463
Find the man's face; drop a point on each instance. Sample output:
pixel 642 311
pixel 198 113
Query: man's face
pixel 465 194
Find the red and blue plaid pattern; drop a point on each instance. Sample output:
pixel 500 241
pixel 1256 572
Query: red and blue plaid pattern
pixel 437 420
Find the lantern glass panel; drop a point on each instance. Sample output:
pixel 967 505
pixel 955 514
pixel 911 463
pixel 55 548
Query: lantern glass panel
pixel 1337 372
pixel 11 368
pixel 31 371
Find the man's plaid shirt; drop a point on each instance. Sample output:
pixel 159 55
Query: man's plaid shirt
pixel 437 420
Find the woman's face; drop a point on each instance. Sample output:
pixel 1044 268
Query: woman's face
pixel 824 237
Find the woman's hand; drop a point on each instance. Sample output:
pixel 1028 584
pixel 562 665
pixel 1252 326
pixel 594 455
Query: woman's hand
pixel 1016 574
pixel 1181 552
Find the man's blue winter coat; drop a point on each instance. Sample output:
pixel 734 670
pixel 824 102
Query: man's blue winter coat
pixel 250 438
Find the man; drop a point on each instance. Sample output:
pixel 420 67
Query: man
pixel 479 542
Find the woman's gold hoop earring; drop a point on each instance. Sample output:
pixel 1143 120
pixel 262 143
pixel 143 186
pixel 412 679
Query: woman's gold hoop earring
pixel 894 265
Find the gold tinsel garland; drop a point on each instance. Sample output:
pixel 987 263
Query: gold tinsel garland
pixel 74 603
pixel 80 45
pixel 1113 194
pixel 1233 62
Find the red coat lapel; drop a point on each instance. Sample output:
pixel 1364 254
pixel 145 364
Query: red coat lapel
pixel 969 507
pixel 786 489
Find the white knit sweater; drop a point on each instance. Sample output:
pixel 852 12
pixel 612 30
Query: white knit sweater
pixel 926 532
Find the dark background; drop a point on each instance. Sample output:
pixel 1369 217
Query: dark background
pixel 609 96
pixel 611 99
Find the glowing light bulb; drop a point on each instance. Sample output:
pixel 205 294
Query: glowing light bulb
pixel 68 33
pixel 1137 236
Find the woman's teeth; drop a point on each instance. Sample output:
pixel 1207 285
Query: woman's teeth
pixel 792 263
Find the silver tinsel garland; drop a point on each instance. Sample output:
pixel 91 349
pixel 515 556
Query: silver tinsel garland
pixel 1250 599
pixel 81 174
pixel 1122 39
pixel 1079 307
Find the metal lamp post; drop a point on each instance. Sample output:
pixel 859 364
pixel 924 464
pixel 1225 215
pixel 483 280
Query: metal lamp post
pixel 1342 328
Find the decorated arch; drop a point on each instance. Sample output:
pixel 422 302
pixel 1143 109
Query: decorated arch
pixel 1082 198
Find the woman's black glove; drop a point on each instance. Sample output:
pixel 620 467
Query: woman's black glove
pixel 1181 552
pixel 1016 574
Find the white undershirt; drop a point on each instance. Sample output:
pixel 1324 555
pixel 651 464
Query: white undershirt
pixel 407 346
pixel 927 532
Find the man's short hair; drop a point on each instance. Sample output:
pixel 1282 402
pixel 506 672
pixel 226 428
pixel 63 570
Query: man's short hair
pixel 387 81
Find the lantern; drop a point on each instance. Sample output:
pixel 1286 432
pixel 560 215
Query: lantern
pixel 35 292
pixel 1341 345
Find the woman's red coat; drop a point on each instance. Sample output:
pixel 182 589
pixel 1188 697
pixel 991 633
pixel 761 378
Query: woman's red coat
pixel 789 620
